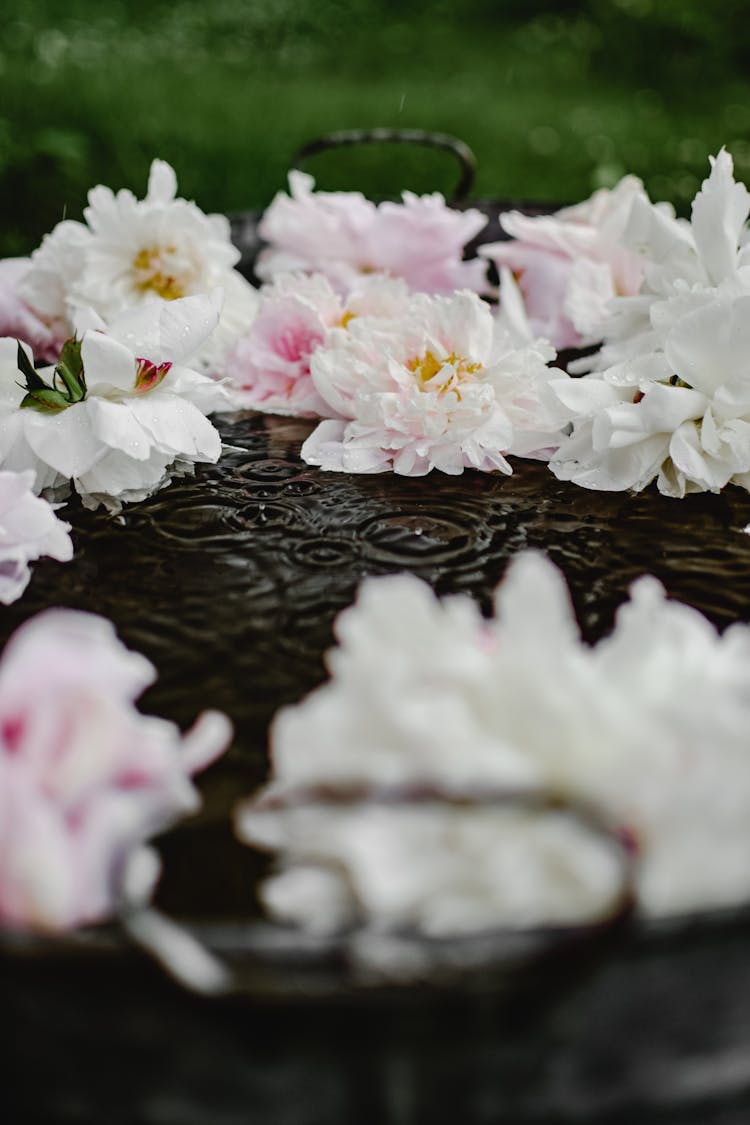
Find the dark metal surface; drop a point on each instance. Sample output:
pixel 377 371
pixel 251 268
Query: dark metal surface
pixel 645 1033
pixel 229 582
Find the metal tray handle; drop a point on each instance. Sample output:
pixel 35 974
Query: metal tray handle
pixel 349 137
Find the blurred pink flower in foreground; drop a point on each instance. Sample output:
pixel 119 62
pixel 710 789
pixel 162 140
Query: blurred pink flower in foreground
pixel 299 313
pixel 18 319
pixel 571 264
pixel 85 779
pixel 29 529
pixel 342 234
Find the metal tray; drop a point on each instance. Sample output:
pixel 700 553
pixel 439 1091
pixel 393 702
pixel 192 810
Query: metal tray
pixel 229 582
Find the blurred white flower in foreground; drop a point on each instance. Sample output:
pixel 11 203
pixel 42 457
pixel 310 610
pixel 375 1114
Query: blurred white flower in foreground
pixel 29 529
pixel 649 727
pixel 343 235
pixel 128 252
pixel 444 386
pixel 119 415
pixel 85 779
pixel 434 867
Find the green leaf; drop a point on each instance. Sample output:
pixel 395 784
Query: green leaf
pixel 33 380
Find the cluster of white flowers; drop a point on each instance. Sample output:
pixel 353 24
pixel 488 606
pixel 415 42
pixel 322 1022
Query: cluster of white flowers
pixel 117 305
pixel 433 697
pixel 669 396
pixel 387 341
pixel 411 383
pixel 371 322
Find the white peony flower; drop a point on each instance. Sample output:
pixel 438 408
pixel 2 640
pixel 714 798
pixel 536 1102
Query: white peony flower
pixel 442 387
pixel 683 265
pixel 649 727
pixel 672 401
pixel 569 265
pixel 128 252
pixel 691 433
pixel 29 529
pixel 119 415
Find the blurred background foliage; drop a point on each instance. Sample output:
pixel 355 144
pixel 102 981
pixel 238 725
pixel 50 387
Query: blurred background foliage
pixel 556 98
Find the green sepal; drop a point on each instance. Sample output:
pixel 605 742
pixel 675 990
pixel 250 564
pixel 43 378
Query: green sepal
pixel 70 370
pixel 45 400
pixel 68 380
pixel 34 381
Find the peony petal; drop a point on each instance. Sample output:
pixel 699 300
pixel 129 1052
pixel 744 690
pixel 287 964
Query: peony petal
pixel 66 440
pixel 168 331
pixel 162 183
pixel 106 363
pixel 176 426
pixel 719 212
pixel 709 347
pixel 117 427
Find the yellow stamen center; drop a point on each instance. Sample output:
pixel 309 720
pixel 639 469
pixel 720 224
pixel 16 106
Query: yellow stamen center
pixel 346 318
pixel 454 368
pixel 153 276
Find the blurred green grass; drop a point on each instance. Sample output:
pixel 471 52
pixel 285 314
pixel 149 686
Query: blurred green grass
pixel 555 99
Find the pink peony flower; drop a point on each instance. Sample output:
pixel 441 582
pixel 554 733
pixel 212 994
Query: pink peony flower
pixel 18 319
pixel 29 529
pixel 85 779
pixel 343 235
pixel 571 264
pixel 270 365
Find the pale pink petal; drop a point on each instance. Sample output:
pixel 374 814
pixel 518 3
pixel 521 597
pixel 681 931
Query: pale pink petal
pixel 85 779
pixel 343 235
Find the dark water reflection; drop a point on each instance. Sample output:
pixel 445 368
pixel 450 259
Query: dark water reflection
pixel 229 581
